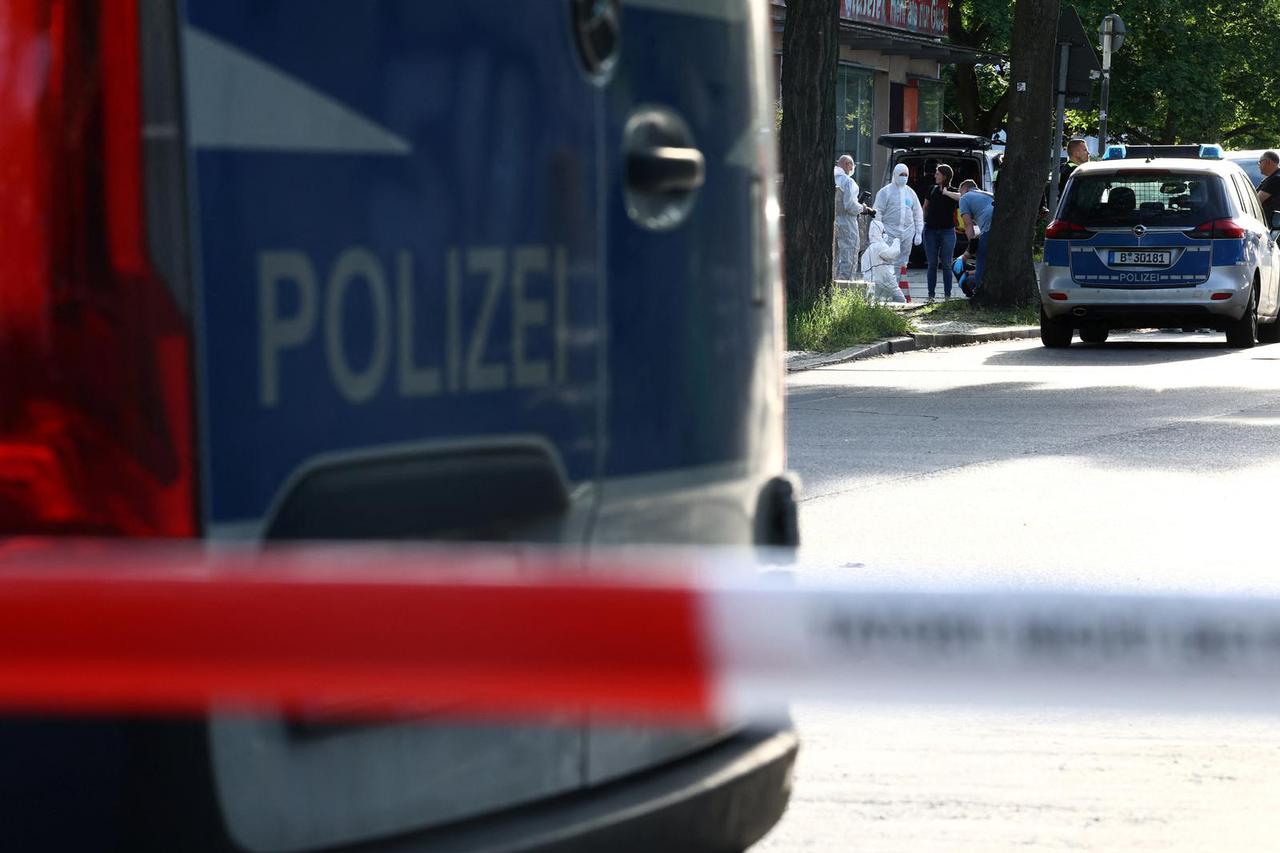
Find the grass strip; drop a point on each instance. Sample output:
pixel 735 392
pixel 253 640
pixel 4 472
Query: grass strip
pixel 964 311
pixel 841 320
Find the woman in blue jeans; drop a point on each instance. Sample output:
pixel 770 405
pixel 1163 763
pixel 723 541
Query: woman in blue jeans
pixel 940 229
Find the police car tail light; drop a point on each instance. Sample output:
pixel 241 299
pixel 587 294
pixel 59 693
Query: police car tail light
pixel 96 433
pixel 1218 229
pixel 1060 229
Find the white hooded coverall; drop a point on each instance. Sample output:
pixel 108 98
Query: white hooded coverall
pixel 880 265
pixel 898 210
pixel 847 209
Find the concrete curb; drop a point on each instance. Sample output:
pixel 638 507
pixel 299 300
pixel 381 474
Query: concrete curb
pixel 921 340
pixel 932 340
pixel 885 347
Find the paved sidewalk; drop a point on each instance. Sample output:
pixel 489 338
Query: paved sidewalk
pixel 928 334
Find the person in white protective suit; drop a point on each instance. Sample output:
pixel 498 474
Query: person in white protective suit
pixel 880 265
pixel 847 209
pixel 898 210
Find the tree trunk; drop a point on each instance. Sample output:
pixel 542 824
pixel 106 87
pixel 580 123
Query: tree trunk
pixel 810 52
pixel 1009 276
pixel 967 97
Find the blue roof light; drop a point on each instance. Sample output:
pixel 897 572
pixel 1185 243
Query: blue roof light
pixel 1211 152
pixel 1114 152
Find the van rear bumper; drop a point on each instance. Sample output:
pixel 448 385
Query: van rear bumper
pixel 724 798
pixel 146 786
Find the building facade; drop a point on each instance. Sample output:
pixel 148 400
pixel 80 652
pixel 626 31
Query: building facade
pixel 892 53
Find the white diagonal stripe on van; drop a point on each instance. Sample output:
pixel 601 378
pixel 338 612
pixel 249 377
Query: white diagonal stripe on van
pixel 728 10
pixel 236 101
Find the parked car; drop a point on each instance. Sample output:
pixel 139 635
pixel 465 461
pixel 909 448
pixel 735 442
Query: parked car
pixel 970 158
pixel 323 270
pixel 1154 237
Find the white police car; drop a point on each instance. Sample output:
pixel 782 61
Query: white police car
pixel 1160 236
pixel 319 269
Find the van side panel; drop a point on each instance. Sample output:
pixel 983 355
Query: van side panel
pixel 395 209
pixel 397 271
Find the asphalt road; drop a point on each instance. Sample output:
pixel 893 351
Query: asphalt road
pixel 1150 459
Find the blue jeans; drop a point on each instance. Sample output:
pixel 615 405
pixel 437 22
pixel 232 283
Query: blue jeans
pixel 982 262
pixel 939 247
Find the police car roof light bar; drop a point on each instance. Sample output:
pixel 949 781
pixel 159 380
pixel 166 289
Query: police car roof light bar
pixel 1200 151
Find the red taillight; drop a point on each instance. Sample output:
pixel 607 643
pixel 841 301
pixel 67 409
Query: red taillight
pixel 96 432
pixel 1060 229
pixel 1217 229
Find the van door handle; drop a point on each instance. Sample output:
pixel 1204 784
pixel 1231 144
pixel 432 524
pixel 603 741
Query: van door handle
pixel 662 168
pixel 666 169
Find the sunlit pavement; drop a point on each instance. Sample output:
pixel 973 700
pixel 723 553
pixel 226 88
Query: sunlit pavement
pixel 1153 458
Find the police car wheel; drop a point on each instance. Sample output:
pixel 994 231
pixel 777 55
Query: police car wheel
pixel 1269 333
pixel 1094 334
pixel 1243 332
pixel 1054 333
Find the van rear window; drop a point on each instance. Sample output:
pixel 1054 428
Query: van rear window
pixel 922 166
pixel 1166 199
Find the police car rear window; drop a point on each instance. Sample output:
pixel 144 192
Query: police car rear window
pixel 1164 199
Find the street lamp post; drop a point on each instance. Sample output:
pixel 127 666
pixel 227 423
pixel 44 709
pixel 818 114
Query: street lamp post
pixel 1112 33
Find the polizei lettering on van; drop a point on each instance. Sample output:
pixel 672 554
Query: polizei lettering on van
pixel 295 304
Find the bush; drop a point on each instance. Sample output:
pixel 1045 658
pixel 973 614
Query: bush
pixel 841 320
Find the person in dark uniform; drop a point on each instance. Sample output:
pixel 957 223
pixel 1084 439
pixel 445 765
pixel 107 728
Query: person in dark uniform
pixel 1077 153
pixel 1269 189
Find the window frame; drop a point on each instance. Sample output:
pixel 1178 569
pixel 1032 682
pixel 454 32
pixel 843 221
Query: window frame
pixel 863 151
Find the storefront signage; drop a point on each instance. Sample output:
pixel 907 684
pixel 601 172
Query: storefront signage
pixel 918 16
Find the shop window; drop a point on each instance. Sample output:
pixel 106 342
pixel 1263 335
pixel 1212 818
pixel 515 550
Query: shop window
pixel 929 105
pixel 855 120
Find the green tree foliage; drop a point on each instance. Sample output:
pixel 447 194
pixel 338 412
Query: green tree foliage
pixel 1192 71
pixel 1189 71
pixel 978 96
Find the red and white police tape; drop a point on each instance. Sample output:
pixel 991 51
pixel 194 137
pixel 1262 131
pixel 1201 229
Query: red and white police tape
pixel 373 632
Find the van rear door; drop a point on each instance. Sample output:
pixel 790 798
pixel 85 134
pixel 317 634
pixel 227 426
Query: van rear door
pixel 693 357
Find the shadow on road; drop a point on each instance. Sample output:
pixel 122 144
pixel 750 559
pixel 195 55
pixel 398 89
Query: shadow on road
pixel 892 431
pixel 1123 353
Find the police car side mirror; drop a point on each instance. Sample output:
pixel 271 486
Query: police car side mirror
pixel 1275 220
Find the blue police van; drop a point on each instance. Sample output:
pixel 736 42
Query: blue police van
pixel 287 270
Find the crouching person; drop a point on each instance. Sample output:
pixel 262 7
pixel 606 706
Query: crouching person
pixel 880 266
